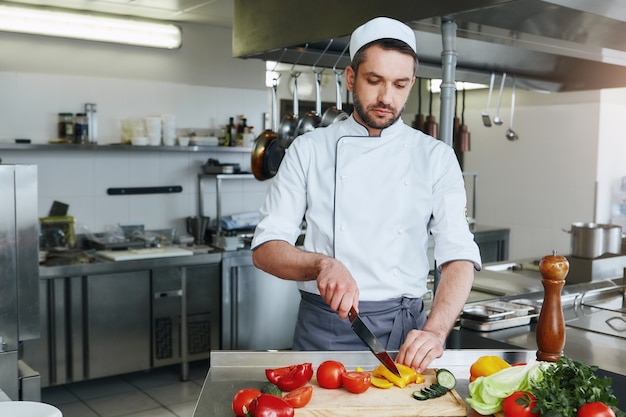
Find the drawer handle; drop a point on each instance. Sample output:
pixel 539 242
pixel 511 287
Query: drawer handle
pixel 164 294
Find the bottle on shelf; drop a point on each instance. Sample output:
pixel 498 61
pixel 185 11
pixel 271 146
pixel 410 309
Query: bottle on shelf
pixel 229 133
pixel 66 126
pixel 81 129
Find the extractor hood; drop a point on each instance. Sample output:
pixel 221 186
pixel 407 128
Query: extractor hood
pixel 551 45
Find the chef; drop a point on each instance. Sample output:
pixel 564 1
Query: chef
pixel 371 190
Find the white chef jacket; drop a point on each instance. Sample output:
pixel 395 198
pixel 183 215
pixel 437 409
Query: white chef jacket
pixel 371 202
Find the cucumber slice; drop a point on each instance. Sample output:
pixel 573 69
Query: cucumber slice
pixel 446 379
pixel 420 396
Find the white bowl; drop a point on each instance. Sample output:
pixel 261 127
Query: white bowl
pixel 139 141
pixel 28 409
pixel 183 140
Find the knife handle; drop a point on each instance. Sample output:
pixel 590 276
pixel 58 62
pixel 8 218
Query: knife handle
pixel 352 314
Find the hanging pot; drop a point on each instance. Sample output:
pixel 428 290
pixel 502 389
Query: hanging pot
pixel 266 154
pixel 335 113
pixel 289 125
pixel 313 118
pixel 419 117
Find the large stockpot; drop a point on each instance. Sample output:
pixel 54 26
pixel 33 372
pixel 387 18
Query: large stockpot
pixel 591 240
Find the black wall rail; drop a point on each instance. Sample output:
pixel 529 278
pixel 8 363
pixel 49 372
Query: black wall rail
pixel 167 189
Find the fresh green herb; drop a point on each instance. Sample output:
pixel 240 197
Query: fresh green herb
pixel 567 385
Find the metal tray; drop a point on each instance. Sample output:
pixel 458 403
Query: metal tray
pixel 489 326
pixel 485 313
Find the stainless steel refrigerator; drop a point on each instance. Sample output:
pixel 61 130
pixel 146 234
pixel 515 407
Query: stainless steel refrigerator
pixel 19 278
pixel 259 311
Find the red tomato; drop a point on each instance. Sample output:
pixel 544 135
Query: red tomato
pixel 242 399
pixel 268 405
pixel 519 404
pixel 299 397
pixel 291 377
pixel 595 409
pixel 356 382
pixel 329 374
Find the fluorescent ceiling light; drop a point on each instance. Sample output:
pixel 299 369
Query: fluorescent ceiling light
pixel 460 85
pixel 89 27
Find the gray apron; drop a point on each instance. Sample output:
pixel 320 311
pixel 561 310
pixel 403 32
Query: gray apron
pixel 320 328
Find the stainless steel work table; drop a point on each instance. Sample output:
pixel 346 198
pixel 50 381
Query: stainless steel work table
pixel 233 370
pixel 104 266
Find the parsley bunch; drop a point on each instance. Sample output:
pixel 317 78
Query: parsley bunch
pixel 569 384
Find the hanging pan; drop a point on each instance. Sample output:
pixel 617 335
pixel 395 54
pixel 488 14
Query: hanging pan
pixel 313 118
pixel 288 126
pixel 335 113
pixel 266 154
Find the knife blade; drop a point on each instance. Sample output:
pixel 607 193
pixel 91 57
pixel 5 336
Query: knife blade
pixel 371 341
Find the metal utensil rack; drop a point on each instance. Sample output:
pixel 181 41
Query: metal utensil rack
pixel 219 178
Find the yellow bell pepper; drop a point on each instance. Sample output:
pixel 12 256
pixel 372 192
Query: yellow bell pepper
pixel 380 382
pixel 487 365
pixel 408 375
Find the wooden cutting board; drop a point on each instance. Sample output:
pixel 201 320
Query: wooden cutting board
pixel 391 402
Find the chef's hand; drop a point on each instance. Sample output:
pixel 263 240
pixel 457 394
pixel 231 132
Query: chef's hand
pixel 337 287
pixel 419 349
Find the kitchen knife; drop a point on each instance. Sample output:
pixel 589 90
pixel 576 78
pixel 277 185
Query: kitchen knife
pixel 371 341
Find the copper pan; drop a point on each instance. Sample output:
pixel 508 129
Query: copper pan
pixel 266 154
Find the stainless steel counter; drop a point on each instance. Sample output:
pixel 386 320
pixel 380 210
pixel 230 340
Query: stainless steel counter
pixel 233 370
pixel 103 266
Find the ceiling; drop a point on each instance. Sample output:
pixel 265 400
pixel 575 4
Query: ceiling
pixel 214 12
pixel 551 45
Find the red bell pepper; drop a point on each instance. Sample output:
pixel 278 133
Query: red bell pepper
pixel 268 405
pixel 291 377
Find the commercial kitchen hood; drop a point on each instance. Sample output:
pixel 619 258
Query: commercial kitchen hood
pixel 551 45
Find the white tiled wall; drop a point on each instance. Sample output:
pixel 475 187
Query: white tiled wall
pixel 81 177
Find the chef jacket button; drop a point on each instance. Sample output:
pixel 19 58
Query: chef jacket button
pixel 406 183
pixel 400 231
pixel 342 228
pixel 343 177
pixel 395 273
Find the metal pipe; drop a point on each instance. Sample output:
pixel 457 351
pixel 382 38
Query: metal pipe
pixel 448 81
pixel 448 89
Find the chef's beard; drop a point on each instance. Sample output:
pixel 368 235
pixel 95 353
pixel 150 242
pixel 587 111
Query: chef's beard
pixel 369 121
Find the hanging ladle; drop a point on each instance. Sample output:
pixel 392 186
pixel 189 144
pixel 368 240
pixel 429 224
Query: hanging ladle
pixel 496 119
pixel 510 133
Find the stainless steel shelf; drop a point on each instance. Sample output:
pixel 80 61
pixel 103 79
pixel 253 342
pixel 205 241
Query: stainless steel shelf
pixel 119 147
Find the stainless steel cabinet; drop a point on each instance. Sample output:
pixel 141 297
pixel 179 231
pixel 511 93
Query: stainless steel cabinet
pixel 258 310
pixel 185 313
pixel 18 269
pixel 109 323
pixel 92 326
pixel 117 318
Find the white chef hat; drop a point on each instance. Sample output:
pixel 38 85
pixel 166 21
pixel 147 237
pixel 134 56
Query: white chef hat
pixel 381 28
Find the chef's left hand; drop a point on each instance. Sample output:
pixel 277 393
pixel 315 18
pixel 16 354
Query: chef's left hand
pixel 419 349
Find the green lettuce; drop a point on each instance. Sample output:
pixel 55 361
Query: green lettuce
pixel 487 392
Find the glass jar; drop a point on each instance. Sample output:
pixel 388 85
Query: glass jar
pixel 81 128
pixel 66 126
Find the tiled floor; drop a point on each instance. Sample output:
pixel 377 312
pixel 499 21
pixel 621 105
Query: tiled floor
pixel 157 393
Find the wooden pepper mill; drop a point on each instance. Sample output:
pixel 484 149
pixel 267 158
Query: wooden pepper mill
pixel 551 324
